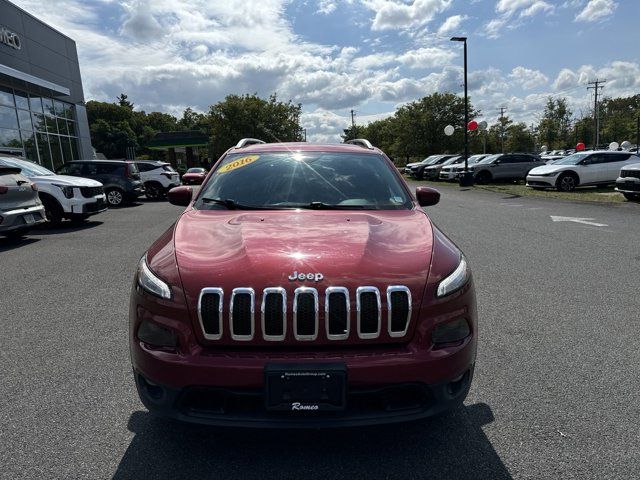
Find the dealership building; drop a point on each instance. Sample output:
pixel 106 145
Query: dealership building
pixel 42 112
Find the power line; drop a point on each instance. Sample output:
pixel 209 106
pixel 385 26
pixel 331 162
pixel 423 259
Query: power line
pixel 597 85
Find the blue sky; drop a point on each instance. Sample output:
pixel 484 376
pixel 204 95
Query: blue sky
pixel 334 55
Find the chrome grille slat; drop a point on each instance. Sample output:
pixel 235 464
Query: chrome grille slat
pixel 273 310
pixel 398 311
pixel 332 315
pixel 270 330
pixel 211 327
pixel 366 316
pixel 241 311
pixel 301 312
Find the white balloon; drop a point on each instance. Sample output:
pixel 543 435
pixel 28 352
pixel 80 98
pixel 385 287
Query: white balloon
pixel 613 146
pixel 626 145
pixel 448 130
pixel 482 125
pixel 544 148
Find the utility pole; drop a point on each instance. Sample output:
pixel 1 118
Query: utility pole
pixel 305 134
pixel 466 179
pixel 353 123
pixel 502 109
pixel 638 134
pixel 597 85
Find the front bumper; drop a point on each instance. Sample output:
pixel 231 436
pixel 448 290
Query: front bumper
pixel 244 407
pixel 541 182
pixel 21 218
pixel 86 206
pixel 628 185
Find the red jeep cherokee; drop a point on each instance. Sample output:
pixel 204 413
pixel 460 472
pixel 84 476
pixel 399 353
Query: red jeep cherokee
pixel 303 286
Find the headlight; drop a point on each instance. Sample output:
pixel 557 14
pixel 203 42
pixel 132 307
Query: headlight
pixel 66 190
pixel 150 283
pixel 551 174
pixel 456 280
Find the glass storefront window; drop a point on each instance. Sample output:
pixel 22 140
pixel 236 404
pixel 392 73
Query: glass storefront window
pixel 56 151
pixel 10 138
pixel 71 126
pixel 48 106
pixel 52 127
pixel 8 117
pixel 62 126
pixel 43 150
pixel 36 104
pixel 68 111
pixel 65 144
pixel 59 107
pixel 22 100
pixel 24 119
pixel 38 122
pixel 6 96
pixel 30 147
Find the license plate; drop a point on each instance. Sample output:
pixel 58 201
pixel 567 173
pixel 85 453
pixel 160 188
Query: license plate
pixel 29 219
pixel 305 388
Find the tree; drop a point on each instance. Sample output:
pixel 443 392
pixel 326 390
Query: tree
pixel 519 138
pixel 240 116
pixel 124 102
pixel 555 124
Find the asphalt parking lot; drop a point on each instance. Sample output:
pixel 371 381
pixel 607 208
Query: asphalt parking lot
pixel 555 392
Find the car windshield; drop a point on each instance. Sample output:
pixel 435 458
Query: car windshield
pixel 474 159
pixel 29 169
pixel 490 159
pixel 304 180
pixel 430 160
pixel 572 159
pixel 453 160
pixel 195 170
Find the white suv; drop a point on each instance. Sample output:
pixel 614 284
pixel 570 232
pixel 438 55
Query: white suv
pixel 158 178
pixel 628 183
pixel 74 198
pixel 584 168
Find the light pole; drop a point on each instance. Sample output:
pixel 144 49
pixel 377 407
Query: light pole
pixel 466 179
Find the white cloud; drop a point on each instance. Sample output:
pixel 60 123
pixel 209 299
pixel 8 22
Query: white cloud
pixel 327 6
pixel 511 14
pixel 427 57
pixel 396 15
pixel 596 10
pixel 451 24
pixel 528 79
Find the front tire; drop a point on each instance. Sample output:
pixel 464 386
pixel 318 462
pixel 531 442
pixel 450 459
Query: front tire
pixel 567 182
pixel 483 177
pixel 52 210
pixel 153 191
pixel 115 197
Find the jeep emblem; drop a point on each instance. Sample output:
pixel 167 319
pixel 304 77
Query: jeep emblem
pixel 316 277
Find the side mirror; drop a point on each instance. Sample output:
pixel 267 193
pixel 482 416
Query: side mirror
pixel 497 162
pixel 427 196
pixel 180 196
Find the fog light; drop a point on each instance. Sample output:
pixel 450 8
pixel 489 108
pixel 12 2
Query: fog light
pixel 156 335
pixel 452 331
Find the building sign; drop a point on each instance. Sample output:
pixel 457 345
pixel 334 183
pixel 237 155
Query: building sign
pixel 10 39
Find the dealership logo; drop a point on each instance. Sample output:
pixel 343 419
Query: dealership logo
pixel 300 406
pixel 10 39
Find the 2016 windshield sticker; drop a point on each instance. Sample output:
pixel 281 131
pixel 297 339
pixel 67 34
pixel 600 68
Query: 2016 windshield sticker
pixel 239 163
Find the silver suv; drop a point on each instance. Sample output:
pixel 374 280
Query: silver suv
pixel 20 206
pixel 505 166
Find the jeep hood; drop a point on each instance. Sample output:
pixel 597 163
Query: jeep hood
pixel 229 249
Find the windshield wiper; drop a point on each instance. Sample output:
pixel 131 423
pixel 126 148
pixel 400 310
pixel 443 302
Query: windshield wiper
pixel 233 205
pixel 331 206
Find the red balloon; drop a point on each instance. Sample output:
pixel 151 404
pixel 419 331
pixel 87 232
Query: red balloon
pixel 472 125
pixel 580 147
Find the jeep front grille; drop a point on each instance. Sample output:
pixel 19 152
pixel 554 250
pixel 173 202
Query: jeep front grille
pixel 630 173
pixel 305 316
pixel 90 192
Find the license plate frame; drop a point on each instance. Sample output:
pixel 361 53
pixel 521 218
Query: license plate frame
pixel 29 219
pixel 305 388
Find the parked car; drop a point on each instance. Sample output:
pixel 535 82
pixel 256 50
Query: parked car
pixel 121 179
pixel 417 171
pixel 549 159
pixel 157 177
pixel 628 183
pixel 310 270
pixel 20 206
pixel 194 176
pixel 581 169
pixel 427 161
pixel 452 172
pixel 505 166
pixel 432 172
pixel 62 196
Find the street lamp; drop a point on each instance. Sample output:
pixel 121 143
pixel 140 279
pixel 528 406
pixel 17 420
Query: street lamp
pixel 466 179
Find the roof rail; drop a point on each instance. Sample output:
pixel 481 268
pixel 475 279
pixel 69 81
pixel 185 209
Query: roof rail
pixel 363 142
pixel 248 141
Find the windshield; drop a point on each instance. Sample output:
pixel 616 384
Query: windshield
pixel 195 170
pixel 305 180
pixel 453 160
pixel 572 159
pixel 490 159
pixel 29 169
pixel 475 159
pixel 431 160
